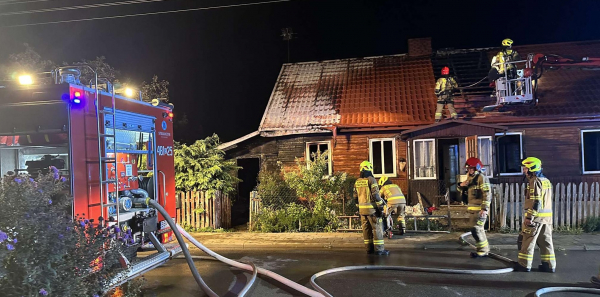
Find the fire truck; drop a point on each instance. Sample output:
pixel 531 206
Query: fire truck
pixel 116 152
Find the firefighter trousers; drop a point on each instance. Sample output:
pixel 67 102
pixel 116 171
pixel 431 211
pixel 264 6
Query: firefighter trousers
pixel 372 227
pixel 396 212
pixel 540 234
pixel 478 232
pixel 440 107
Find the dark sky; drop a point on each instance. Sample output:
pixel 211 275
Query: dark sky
pixel 223 63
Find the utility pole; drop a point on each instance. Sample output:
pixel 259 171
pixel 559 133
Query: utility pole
pixel 287 34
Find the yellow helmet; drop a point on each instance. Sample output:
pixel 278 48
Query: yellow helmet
pixel 533 164
pixel 366 165
pixel 382 180
pixel 507 42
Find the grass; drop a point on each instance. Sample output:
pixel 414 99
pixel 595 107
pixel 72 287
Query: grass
pixel 206 229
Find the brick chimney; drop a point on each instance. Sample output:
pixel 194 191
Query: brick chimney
pixel 419 47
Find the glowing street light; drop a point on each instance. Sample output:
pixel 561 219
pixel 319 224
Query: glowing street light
pixel 129 92
pixel 25 80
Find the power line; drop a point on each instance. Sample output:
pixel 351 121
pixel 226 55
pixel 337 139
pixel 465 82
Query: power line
pixel 9 2
pixel 80 7
pixel 148 13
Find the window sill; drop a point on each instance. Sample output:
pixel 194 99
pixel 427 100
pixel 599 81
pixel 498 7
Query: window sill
pixel 591 172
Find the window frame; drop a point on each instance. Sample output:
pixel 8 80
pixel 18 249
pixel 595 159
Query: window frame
pixel 394 157
pixel 583 151
pixel 520 155
pixel 414 147
pixel 329 153
pixel 491 139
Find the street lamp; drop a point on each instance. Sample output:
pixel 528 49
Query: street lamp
pixel 129 92
pixel 25 79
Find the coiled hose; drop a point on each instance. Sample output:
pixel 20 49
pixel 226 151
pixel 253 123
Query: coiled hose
pixel 320 292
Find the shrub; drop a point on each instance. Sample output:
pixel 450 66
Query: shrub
pixel 591 224
pixel 45 250
pixel 295 217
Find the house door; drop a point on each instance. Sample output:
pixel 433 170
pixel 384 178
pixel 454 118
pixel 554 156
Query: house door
pixel 240 213
pixel 449 167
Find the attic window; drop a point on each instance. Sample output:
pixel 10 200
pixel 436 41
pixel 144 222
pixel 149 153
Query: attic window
pixel 382 154
pixel 314 149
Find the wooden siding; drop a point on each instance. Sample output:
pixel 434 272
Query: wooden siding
pixel 559 148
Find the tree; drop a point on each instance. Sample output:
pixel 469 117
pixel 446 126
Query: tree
pixel 27 61
pixel 201 166
pixel 155 90
pixel 102 68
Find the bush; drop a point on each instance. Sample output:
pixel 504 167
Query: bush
pixel 295 217
pixel 44 250
pixel 301 199
pixel 592 224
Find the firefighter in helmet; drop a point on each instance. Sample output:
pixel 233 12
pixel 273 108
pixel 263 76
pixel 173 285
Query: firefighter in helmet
pixel 370 207
pixel 477 186
pixel 507 54
pixel 537 225
pixel 443 90
pixel 396 203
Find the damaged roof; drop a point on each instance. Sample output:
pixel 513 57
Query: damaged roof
pixel 369 92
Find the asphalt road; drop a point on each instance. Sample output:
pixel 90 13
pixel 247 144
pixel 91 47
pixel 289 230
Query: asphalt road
pixel 174 278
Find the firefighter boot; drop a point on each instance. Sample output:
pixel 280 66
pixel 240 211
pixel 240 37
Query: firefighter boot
pixel 545 267
pixel 382 253
pixel 520 268
pixel 478 255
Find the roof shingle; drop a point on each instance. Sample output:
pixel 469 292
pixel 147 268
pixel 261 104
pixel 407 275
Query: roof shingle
pixel 378 91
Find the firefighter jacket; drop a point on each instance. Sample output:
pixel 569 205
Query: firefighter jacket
pixel 502 57
pixel 367 191
pixel 478 191
pixel 393 194
pixel 538 200
pixel 444 87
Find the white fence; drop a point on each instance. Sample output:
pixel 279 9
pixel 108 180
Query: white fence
pixel 572 203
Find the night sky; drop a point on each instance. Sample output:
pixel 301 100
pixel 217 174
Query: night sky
pixel 223 63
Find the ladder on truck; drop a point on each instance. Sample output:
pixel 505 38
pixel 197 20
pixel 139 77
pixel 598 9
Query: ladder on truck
pixel 108 199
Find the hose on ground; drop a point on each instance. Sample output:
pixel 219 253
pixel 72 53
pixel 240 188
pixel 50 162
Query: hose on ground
pixel 188 256
pixel 543 291
pixel 320 292
pixel 298 287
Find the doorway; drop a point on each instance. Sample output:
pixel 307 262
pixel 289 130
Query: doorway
pixel 449 168
pixel 240 211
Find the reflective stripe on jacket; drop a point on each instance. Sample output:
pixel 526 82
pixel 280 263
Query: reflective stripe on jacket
pixel 501 57
pixel 393 194
pixel 368 195
pixel 538 200
pixel 444 87
pixel 478 191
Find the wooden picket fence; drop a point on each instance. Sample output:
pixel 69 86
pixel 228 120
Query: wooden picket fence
pixel 216 210
pixel 573 203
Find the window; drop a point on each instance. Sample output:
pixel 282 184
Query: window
pixel 382 154
pixel 510 153
pixel 314 149
pixel 424 157
pixel 590 151
pixel 485 154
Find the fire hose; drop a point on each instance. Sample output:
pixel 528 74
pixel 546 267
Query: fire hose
pixel 320 292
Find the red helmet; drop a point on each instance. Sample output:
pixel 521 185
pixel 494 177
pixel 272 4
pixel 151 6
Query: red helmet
pixel 475 163
pixel 445 70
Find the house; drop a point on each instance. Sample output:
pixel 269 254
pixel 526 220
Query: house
pixel 382 109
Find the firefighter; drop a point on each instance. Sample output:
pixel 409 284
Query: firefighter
pixel 370 205
pixel 443 90
pixel 479 195
pixel 396 202
pixel 507 54
pixel 537 225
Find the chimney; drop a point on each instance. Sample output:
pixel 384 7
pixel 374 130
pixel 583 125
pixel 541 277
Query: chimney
pixel 419 47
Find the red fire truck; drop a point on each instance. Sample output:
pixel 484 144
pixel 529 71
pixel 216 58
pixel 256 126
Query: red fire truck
pixel 115 151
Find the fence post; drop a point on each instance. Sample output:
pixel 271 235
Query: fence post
pixel 179 209
pixel 218 204
pixel 586 204
pixel 597 199
pixel 514 205
pixel 504 190
pixel 568 205
pixel 563 207
pixel 555 204
pixel 579 204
